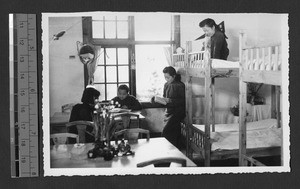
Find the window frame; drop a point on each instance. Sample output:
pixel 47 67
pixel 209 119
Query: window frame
pixel 129 43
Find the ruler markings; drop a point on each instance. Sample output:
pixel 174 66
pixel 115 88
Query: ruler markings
pixel 27 120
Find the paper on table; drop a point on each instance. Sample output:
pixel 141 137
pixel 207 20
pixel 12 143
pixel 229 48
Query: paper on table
pixel 119 110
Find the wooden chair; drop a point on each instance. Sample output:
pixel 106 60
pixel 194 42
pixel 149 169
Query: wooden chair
pixel 67 107
pixel 62 138
pixel 131 134
pixel 163 162
pixel 126 119
pixel 81 127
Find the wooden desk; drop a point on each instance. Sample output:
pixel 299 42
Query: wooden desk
pixel 59 120
pixel 144 150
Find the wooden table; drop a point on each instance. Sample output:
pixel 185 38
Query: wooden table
pixel 59 119
pixel 144 150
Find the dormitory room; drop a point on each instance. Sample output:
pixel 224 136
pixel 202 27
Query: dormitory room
pixel 135 90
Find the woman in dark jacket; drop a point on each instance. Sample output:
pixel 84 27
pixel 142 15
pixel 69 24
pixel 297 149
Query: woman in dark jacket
pixel 218 44
pixel 174 91
pixel 84 111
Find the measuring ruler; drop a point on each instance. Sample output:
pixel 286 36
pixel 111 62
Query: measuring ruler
pixel 24 100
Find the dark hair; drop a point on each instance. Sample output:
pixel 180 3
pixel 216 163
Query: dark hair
pixel 89 94
pixel 124 87
pixel 172 72
pixel 208 22
pixel 86 49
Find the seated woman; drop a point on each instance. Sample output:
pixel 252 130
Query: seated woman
pixel 84 111
pixel 126 100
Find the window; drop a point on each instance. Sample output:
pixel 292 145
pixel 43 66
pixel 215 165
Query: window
pixel 132 51
pixel 151 60
pixel 110 27
pixel 110 37
pixel 112 71
pixel 155 34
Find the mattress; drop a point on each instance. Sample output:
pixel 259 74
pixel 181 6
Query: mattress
pixel 261 138
pixel 217 63
pixel 260 134
pixel 261 124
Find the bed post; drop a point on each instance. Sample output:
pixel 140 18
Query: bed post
pixel 242 107
pixel 273 102
pixel 208 108
pixel 213 104
pixel 188 99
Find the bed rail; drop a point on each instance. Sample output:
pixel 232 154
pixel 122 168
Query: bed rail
pixel 197 140
pixel 178 60
pixel 267 58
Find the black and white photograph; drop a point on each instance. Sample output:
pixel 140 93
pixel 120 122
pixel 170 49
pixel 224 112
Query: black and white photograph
pixel 129 93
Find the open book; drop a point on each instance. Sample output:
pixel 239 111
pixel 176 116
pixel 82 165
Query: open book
pixel 160 100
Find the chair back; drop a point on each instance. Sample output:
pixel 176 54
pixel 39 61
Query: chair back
pixel 163 162
pixel 82 129
pixel 124 119
pixel 62 138
pixel 131 134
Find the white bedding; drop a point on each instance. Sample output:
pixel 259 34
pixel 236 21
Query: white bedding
pixel 261 138
pixel 262 124
pixel 217 63
pixel 260 134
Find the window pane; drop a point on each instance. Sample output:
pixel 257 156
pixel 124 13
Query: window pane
pixel 99 74
pixel 122 29
pixel 123 74
pixel 100 55
pixel 110 17
pixel 122 17
pixel 150 61
pixel 111 74
pixel 111 91
pixel 97 29
pixel 98 17
pixel 101 88
pixel 122 56
pixel 111 56
pixel 110 29
pixel 153 27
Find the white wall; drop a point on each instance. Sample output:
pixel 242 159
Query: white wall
pixel 259 28
pixel 66 75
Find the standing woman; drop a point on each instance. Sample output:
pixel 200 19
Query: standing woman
pixel 218 43
pixel 174 92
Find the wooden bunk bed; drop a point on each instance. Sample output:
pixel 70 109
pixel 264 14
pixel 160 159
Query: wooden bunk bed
pixel 201 139
pixel 199 65
pixel 259 64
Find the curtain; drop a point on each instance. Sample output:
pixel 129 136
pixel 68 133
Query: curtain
pixel 168 53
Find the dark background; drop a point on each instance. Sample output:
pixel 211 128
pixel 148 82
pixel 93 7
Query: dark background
pixel 251 180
